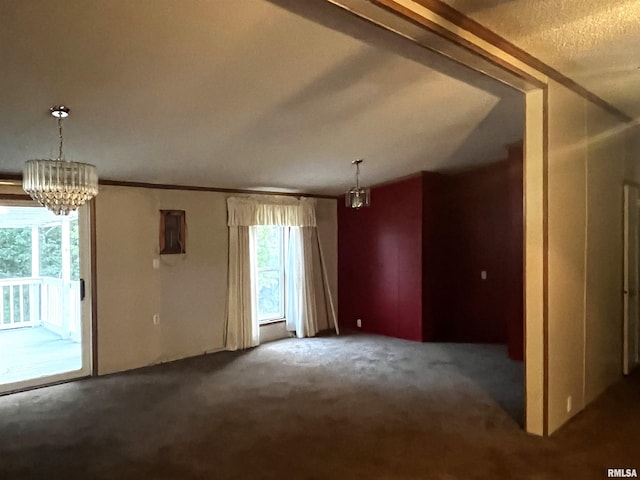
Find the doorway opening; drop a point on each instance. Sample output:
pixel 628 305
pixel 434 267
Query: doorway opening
pixel 43 335
pixel 631 304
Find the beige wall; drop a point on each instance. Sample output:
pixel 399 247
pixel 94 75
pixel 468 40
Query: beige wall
pixel 604 269
pixel 587 168
pixel 534 280
pixel 187 291
pixel 567 240
pixel 273 331
pixel 633 154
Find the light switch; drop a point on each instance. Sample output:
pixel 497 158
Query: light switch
pixel 156 263
pixel 483 274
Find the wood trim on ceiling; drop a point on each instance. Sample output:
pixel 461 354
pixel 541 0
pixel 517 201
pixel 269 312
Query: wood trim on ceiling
pixel 17 197
pixel 463 21
pixel 416 19
pixel 472 26
pixel 162 186
pixel 12 177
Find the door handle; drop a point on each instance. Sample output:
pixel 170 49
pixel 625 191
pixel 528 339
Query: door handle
pixel 82 289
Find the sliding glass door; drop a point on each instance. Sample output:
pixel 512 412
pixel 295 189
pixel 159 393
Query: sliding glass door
pixel 44 327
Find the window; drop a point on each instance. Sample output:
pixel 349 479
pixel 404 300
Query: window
pixel 269 273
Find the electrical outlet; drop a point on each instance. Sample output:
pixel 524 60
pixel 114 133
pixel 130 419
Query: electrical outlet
pixel 569 403
pixel 483 274
pixel 156 319
pixel 359 323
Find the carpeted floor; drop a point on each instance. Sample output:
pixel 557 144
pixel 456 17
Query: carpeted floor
pixel 349 407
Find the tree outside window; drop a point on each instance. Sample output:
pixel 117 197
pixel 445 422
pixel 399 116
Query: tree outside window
pixel 269 286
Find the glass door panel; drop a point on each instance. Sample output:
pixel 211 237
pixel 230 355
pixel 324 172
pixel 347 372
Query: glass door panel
pixel 43 337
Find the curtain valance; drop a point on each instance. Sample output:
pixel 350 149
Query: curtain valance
pixel 271 210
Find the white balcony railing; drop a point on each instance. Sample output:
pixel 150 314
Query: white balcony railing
pixel 41 301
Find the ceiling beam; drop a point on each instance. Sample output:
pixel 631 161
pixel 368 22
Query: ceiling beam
pixel 464 24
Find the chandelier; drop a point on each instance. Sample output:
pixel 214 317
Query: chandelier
pixel 60 185
pixel 357 197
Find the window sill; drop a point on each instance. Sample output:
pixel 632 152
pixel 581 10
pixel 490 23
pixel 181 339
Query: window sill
pixel 271 322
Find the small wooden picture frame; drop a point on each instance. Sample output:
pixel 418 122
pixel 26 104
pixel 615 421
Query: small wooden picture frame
pixel 173 227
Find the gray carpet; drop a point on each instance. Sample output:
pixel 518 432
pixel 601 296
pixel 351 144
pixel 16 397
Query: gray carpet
pixel 349 407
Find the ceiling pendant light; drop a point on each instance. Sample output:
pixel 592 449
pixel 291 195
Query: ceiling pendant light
pixel 357 197
pixel 60 185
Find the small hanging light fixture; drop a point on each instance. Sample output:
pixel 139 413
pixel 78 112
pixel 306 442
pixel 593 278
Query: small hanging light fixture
pixel 357 197
pixel 60 185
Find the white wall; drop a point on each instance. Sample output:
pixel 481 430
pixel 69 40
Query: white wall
pixel 188 291
pixel 587 167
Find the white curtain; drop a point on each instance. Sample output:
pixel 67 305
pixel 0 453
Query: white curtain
pixel 242 328
pixel 271 210
pixel 301 309
pixel 293 278
pixel 307 325
pixel 242 325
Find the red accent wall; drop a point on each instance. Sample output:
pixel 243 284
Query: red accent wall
pixel 435 265
pixel 410 265
pixel 477 227
pixel 380 262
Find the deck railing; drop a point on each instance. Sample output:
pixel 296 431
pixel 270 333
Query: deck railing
pixel 46 301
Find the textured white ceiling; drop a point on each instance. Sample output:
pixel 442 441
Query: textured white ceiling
pixel 594 42
pixel 239 94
